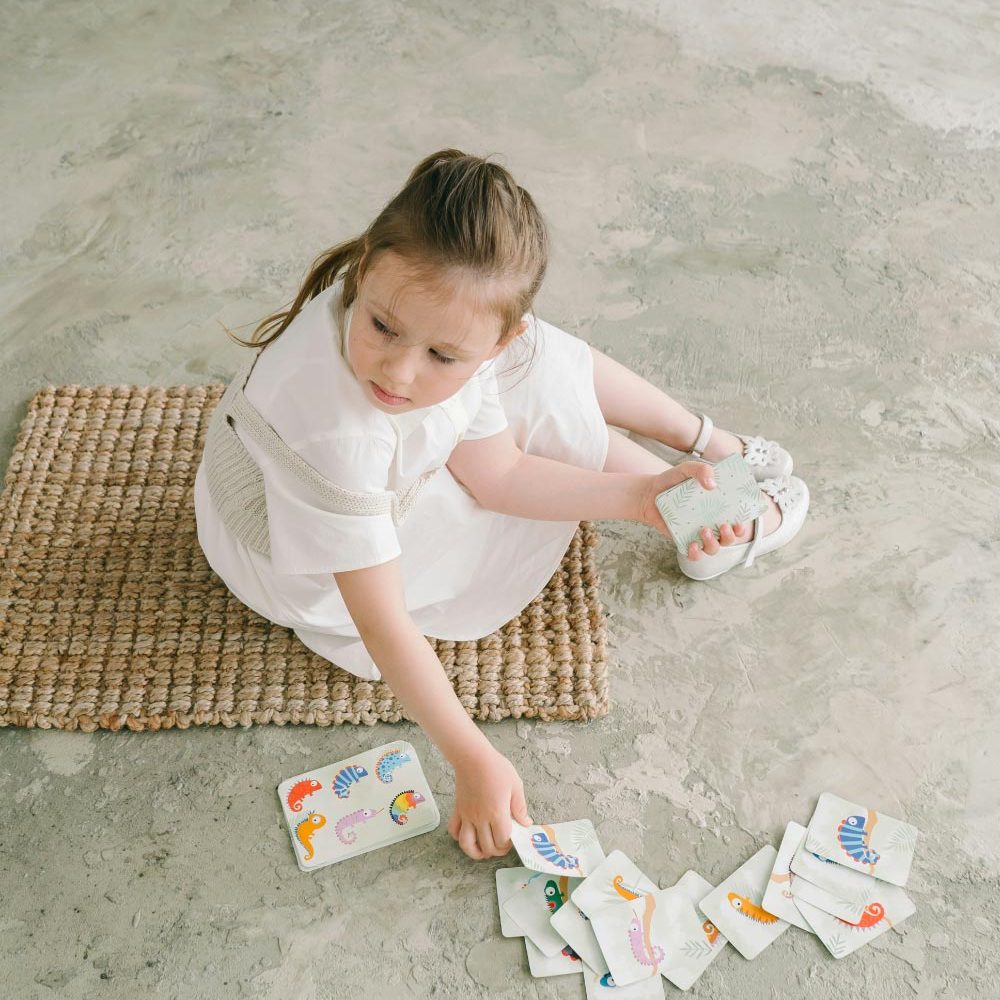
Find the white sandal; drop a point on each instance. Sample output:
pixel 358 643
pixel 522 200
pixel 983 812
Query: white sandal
pixel 792 497
pixel 767 459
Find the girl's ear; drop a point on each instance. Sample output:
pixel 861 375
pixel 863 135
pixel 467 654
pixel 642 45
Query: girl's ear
pixel 517 333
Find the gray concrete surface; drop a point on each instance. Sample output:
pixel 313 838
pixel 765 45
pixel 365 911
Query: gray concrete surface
pixel 786 214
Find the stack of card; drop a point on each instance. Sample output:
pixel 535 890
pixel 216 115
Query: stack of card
pixel 580 911
pixel 841 878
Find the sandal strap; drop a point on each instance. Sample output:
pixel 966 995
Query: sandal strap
pixel 757 531
pixel 703 436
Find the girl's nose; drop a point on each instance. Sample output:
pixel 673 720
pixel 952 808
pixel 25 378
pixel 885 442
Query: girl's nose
pixel 400 369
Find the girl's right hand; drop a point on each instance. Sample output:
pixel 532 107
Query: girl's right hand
pixel 488 791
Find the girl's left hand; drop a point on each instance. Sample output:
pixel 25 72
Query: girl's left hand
pixel 649 513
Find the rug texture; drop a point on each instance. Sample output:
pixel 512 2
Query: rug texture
pixel 111 617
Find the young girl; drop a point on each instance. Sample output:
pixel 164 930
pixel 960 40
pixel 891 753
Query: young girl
pixel 413 452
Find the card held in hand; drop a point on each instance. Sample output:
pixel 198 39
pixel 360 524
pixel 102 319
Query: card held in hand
pixel 688 507
pixel 366 801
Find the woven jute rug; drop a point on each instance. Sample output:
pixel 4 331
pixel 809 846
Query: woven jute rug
pixel 111 617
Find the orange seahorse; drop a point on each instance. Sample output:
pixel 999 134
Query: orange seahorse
pixel 304 831
pixel 750 909
pixel 619 884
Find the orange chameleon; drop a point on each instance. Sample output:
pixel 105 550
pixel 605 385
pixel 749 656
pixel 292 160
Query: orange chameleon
pixel 751 909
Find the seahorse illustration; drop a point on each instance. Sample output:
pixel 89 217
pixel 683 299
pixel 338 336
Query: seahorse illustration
pixel 548 847
pixel 750 909
pixel 299 791
pixel 305 829
pixel 854 835
pixel 711 931
pixel 556 893
pixel 873 913
pixel 402 803
pixel 343 828
pixel 345 777
pixel 388 763
pixel 623 890
pixel 645 952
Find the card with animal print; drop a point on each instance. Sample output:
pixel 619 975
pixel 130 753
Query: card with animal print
pixel 693 942
pixel 574 926
pixel 632 936
pixel 862 839
pixel 366 801
pixel 615 880
pixel 778 894
pixel 827 901
pixel 735 906
pixel 532 906
pixel 890 908
pixel 688 507
pixel 509 880
pixel 852 887
pixel 563 963
pixel 602 986
pixel 569 848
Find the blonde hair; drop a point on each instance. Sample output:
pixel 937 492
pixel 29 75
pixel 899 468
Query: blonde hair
pixel 457 217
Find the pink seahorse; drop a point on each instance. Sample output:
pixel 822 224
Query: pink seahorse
pixel 646 953
pixel 342 828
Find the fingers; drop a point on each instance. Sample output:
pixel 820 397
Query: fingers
pixel 701 471
pixel 485 836
pixel 467 841
pixel 519 807
pixel 500 831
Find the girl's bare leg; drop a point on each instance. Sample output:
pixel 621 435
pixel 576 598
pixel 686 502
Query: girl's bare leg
pixel 628 400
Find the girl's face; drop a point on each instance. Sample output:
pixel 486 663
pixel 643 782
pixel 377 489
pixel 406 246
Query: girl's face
pixel 428 352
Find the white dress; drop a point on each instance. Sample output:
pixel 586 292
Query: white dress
pixel 466 570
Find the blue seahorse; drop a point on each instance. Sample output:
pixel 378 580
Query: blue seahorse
pixel 854 835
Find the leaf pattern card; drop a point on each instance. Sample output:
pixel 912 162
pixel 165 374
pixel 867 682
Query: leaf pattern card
pixel 369 800
pixel 569 848
pixel 632 937
pixel 827 901
pixel 860 838
pixel 574 926
pixel 735 906
pixel 532 905
pixel 509 880
pixel 889 909
pixel 778 894
pixel 693 942
pixel 688 507
pixel 563 963
pixel 602 986
pixel 615 880
pixel 853 887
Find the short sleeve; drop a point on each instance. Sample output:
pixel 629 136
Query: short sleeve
pixel 490 417
pixel 305 537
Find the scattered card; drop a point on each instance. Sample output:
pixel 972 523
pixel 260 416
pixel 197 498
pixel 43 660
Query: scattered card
pixel 862 839
pixel 693 942
pixel 853 887
pixel 890 908
pixel 562 963
pixel 632 935
pixel 531 907
pixel 827 901
pixel 602 986
pixel 370 800
pixel 574 926
pixel 509 880
pixel 568 848
pixel 615 880
pixel 778 894
pixel 735 906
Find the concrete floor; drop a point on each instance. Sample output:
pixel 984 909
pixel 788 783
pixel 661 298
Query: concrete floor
pixel 783 213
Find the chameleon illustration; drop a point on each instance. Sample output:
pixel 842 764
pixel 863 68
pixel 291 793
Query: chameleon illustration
pixel 556 893
pixel 305 829
pixel 619 886
pixel 873 914
pixel 854 835
pixel 401 805
pixel 388 763
pixel 346 777
pixel 750 909
pixel 343 828
pixel 545 843
pixel 645 952
pixel 299 791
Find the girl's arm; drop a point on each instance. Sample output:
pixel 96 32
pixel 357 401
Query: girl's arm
pixel 488 789
pixel 503 478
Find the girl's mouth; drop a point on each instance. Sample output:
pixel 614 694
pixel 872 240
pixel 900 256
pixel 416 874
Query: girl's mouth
pixel 388 397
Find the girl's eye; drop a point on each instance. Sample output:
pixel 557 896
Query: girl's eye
pixel 388 334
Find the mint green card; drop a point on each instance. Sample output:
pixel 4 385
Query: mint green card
pixel 688 507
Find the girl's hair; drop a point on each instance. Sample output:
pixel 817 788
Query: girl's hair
pixel 458 217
